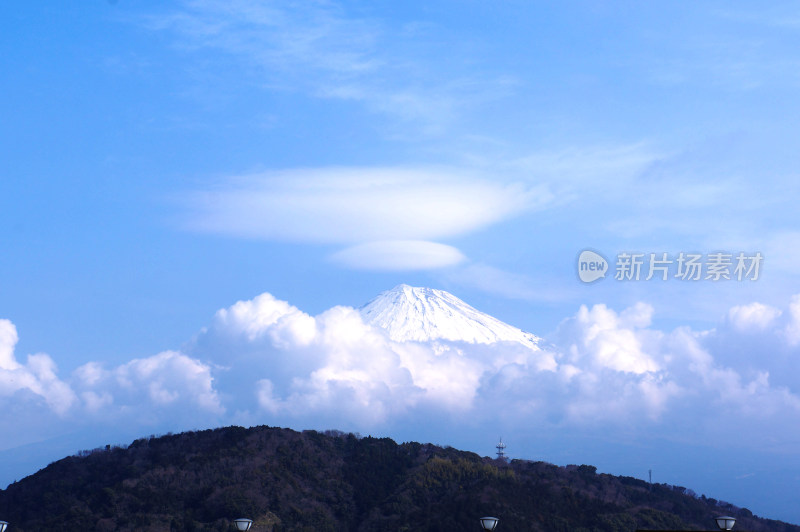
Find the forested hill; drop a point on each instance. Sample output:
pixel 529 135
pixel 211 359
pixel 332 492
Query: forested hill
pixel 310 481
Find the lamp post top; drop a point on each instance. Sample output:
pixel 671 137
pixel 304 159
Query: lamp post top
pixel 725 522
pixel 489 523
pixel 241 523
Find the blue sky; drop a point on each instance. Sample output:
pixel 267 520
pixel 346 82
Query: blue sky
pixel 161 162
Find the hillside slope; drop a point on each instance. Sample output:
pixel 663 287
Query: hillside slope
pixel 310 481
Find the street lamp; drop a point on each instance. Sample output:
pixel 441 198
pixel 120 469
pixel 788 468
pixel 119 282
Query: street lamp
pixel 724 522
pixel 241 523
pixel 3 526
pixel 488 523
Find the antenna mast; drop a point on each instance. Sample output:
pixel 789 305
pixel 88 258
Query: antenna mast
pixel 501 453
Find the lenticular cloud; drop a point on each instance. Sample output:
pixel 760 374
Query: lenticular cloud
pixel 358 205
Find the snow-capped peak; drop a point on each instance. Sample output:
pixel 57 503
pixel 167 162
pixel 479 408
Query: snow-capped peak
pixel 410 313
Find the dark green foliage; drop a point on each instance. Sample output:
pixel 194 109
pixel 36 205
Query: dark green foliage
pixel 335 482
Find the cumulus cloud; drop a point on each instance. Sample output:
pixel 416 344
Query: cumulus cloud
pixel 601 366
pixel 342 366
pixel 285 324
pixel 142 387
pixel 725 390
pixel 602 338
pixel 754 316
pixel 148 389
pixel 37 378
pixel 8 340
pixel 616 367
pixel 264 360
pixel 792 330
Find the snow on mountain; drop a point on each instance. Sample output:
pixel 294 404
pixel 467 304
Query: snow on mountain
pixel 410 313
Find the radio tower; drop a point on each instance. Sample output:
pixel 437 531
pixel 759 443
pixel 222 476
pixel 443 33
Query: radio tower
pixel 501 453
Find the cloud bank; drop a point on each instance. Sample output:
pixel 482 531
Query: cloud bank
pixel 265 361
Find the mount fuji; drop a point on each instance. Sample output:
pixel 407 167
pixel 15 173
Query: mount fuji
pixel 417 314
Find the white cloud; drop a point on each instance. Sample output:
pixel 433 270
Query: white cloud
pixel 357 205
pixel 167 380
pixel 8 340
pixel 698 361
pixel 264 314
pixel 617 367
pixel 358 373
pixel 37 376
pixel 318 49
pixel 58 394
pixel 170 376
pixel 264 360
pixel 317 38
pixel 146 385
pixel 349 368
pixel 601 367
pixel 95 402
pixel 792 330
pixel 266 397
pixel 606 339
pixel 356 369
pixel 398 255
pixel 754 316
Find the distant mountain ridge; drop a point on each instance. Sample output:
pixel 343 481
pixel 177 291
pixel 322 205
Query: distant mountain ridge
pixel 336 482
pixel 420 314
